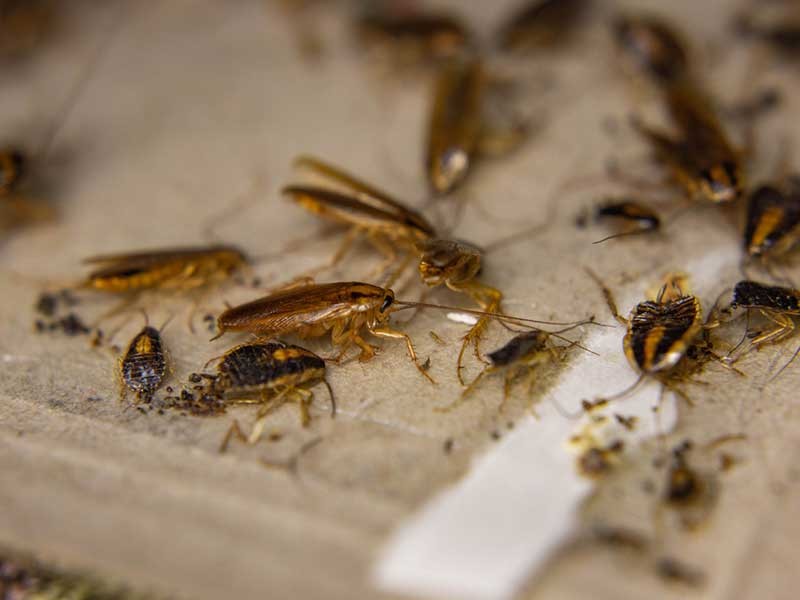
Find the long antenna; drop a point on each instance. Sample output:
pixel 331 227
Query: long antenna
pixel 74 93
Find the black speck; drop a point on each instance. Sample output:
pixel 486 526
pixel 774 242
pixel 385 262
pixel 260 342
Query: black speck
pixel 46 305
pixel 495 435
pixel 448 446
pixel 195 378
pixel 94 399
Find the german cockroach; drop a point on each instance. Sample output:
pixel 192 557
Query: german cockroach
pixel 772 225
pixel 167 268
pixel 540 24
pixel 636 218
pixel 700 158
pixel 144 365
pixel 388 224
pixel 699 155
pixel 653 47
pixel 422 35
pixel 459 126
pixel 518 359
pixel 662 331
pixel 778 305
pixel 268 374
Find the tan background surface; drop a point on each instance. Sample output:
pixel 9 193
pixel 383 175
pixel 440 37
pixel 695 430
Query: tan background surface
pixel 192 104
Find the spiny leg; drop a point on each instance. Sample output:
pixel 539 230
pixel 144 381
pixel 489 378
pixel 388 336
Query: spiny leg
pixel 488 298
pixel 467 391
pixel 388 252
pixel 233 430
pixel 785 327
pixel 398 335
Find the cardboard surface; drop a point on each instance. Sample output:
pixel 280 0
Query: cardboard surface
pixel 196 106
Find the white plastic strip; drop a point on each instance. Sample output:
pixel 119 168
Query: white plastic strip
pixel 488 534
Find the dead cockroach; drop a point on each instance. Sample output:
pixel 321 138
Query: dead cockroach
pixel 423 35
pixel 653 47
pixel 144 365
pixel 268 374
pixel 777 304
pixel 638 218
pixel 388 224
pixel 519 358
pixel 772 224
pixel 460 127
pixel 540 24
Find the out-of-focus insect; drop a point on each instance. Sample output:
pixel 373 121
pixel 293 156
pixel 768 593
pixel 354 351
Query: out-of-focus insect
pixel 24 25
pixel 144 365
pixel 518 359
pixel 660 331
pixel 636 218
pixel 460 126
pixel 415 35
pixel 772 225
pixel 168 269
pixel 688 491
pixel 388 224
pixel 540 24
pixel 268 374
pixel 653 47
pixel 700 158
pixel 781 32
pixel 778 305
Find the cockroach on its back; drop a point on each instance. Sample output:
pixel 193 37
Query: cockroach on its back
pixel 144 365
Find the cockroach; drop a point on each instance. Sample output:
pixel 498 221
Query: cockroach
pixel 166 268
pixel 268 374
pixel 772 225
pixel 429 35
pixel 653 47
pixel 24 25
pixel 519 358
pixel 700 158
pixel 469 117
pixel 540 24
pixel 144 365
pixel 388 224
pixel 779 305
pixel 638 218
pixel 660 331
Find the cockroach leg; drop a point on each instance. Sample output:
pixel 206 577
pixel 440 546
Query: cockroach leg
pixel 386 332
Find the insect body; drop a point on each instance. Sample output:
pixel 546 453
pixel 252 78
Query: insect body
pixel 540 24
pixel 653 47
pixel 518 358
pixel 173 268
pixel 777 304
pixel 143 367
pixel 269 374
pixel 773 220
pixel 455 124
pixel 341 309
pixel 428 35
pixel 637 217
